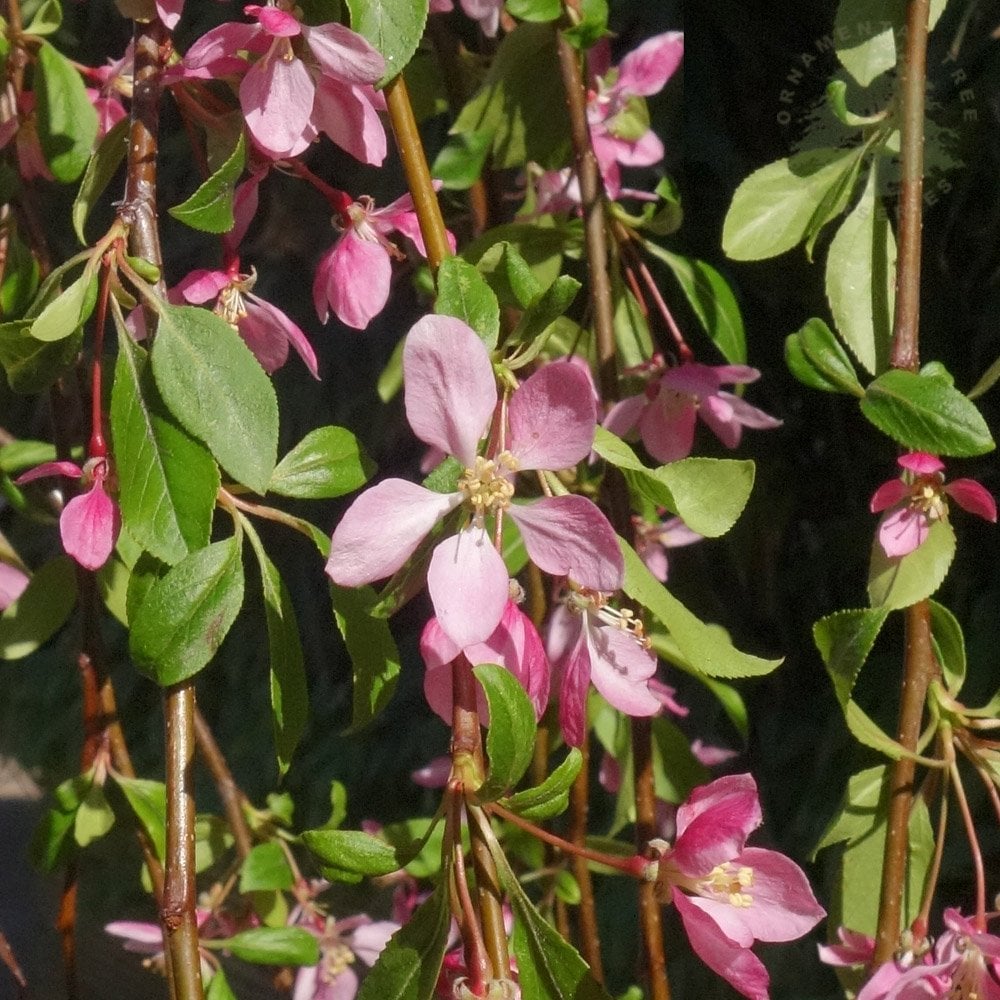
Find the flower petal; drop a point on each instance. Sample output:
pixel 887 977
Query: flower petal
pixel 625 414
pixel 354 278
pixel 645 70
pixel 69 469
pixel 450 390
pixel 347 113
pixel 199 286
pixel 439 692
pixel 569 536
pixel 888 495
pixel 973 497
pixel 573 688
pixel 12 584
pixel 921 463
pixel 368 940
pixel 89 526
pixel 667 425
pixel 264 320
pixel 277 100
pixel 903 531
pixel 552 417
pixel 343 53
pixel 468 584
pixel 714 823
pixel 619 669
pixel 382 528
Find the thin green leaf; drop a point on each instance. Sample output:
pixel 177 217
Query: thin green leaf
pixel 510 739
pixel 266 867
pixel 270 946
pixel 551 797
pixel 63 316
pixel 40 611
pixel 356 853
pixel 65 119
pixel 101 168
pixel 148 800
pixel 210 208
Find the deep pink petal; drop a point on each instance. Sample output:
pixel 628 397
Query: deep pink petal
pixel 344 54
pixel 69 469
pixel 619 669
pixel 277 100
pixel 400 216
pixel 353 280
pixel 278 23
pixel 382 528
pixel 643 152
pixel 888 495
pixel 468 584
pixel 714 823
pixel 667 425
pixel 89 526
pixel 12 584
pixel 645 70
pixel 902 531
pixel 245 201
pixel 434 774
pixel 450 390
pixel 201 285
pixel 921 463
pixel 854 949
pixel 266 343
pixel 348 114
pixel 264 320
pixel 569 536
pixel 222 43
pixel 973 497
pixel 738 966
pixel 436 646
pixel 573 688
pixel 552 417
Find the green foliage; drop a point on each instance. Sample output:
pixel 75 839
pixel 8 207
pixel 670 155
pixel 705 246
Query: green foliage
pixel 904 580
pixel 40 611
pixel 94 817
pixel 210 208
pixel 33 365
pixel 63 316
pixel 510 739
pixel 949 647
pixel 266 867
pixel 462 292
pixel 269 946
pixel 844 640
pixel 101 168
pixel 394 27
pixel 353 853
pixel 535 10
pixel 816 359
pixel 551 797
pixel 327 462
pixel 148 800
pixel 544 309
pixel 66 120
pixel 462 158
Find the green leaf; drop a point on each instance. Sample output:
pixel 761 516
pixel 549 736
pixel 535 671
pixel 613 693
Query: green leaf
pixel 534 10
pixel 860 279
pixel 987 380
pixel 949 646
pixel 836 96
pixel 167 481
pixel 266 867
pixel 545 309
pixel 20 279
pixel 844 640
pixel 711 300
pixel 905 580
pixel 65 119
pixel 926 413
pixel 510 739
pixel 773 208
pixel 289 691
pixel 63 316
pixel 210 208
pixel 510 275
pixel 708 650
pixel 394 27
pixel 461 159
pixel 218 987
pixel 356 853
pixel 463 292
pixel 94 818
pixel 15 456
pixel 218 391
pixel 148 800
pixel 46 19
pixel 632 337
pixel 40 611
pixel 101 168
pixel 270 946
pixel 372 649
pixel 526 121
pixel 592 27
pixel 837 196
pixel 186 614
pixel 855 817
pixel 327 462
pixel 551 797
pixel 391 379
pixel 33 365
pixel 676 770
pixel 540 244
pixel 815 358
pixel 409 965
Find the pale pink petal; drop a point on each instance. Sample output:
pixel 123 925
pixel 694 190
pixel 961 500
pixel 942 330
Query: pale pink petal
pixel 746 415
pixel 643 152
pixel 12 584
pixel 169 12
pixel 441 6
pixel 714 823
pixel 200 286
pixel 888 495
pixel 69 469
pixel 400 215
pixel 854 949
pixel 903 531
pixel 343 986
pixel 221 44
pixel 147 937
pixel 436 646
pixel 468 584
pixel 306 983
pixel 368 940
pixel 619 669
pixel 667 697
pixel 675 534
pixel 738 966
pixel 266 321
pixel 645 70
pixel 921 463
pixel 450 389
pixel 486 12
pixel 562 633
pixel 382 528
pixel 277 100
pixel 278 23
pixel 353 280
pixel 344 54
pixel 711 756
pixel 625 414
pixel 348 114
pixel 655 558
pixel 89 526
pixel 667 425
pixel 245 201
pixel 973 497
pixel 573 688
pixel 552 417
pixel 719 414
pixel 569 536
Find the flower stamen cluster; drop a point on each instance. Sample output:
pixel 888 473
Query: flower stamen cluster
pixel 580 600
pixel 486 487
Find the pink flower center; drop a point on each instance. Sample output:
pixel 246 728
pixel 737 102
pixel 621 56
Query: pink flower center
pixel 583 601
pixel 230 304
pixel 486 486
pixel 927 496
pixel 729 882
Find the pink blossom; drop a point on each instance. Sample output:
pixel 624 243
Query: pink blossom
pixel 917 499
pixel 450 397
pixel 652 539
pixel 265 329
pixel 115 81
pixel 515 644
pixel 667 411
pixel 169 12
pixel 12 584
pixel 287 101
pixel 353 276
pixel 729 895
pixel 587 641
pixel 90 522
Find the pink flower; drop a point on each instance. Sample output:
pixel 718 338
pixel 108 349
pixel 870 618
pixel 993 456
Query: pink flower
pixel 917 499
pixel 673 400
pixel 588 641
pixel 12 584
pixel 115 80
pixel 266 330
pixel 287 101
pixel 90 522
pixel 653 539
pixel 515 644
pixel 450 397
pixel 353 276
pixel 486 12
pixel 729 895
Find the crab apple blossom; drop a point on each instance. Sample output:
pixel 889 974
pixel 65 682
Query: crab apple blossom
pixel 12 584
pixel 353 276
pixel 652 539
pixel 675 398
pixel 305 80
pixel 589 642
pixel 450 398
pixel 729 895
pixel 90 522
pixel 918 498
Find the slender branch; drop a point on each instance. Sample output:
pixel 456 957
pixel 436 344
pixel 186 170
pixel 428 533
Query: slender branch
pixel 418 175
pixel 9 959
pixel 177 914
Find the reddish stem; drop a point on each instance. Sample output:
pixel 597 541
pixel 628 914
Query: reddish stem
pixel 339 201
